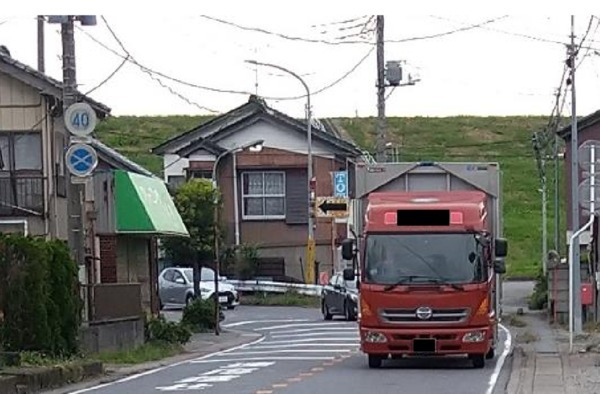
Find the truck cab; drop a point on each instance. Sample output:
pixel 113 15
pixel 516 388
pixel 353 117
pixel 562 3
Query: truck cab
pixel 428 267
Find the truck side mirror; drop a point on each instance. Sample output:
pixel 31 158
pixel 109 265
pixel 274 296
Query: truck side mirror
pixel 348 249
pixel 349 274
pixel 499 266
pixel 501 247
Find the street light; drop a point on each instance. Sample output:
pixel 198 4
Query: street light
pixel 255 146
pixel 311 238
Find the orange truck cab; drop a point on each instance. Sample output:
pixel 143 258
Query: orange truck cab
pixel 429 264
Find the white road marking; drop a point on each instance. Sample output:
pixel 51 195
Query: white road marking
pixel 243 323
pixel 500 363
pixel 251 352
pixel 155 370
pixel 270 328
pixel 308 340
pixel 316 334
pixel 275 358
pixel 322 329
pixel 351 344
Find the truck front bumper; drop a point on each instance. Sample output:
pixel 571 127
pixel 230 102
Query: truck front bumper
pixel 426 341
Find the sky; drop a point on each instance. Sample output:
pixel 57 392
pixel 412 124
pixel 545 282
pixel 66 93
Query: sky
pixel 511 64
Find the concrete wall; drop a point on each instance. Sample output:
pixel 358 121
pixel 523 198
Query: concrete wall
pixel 113 336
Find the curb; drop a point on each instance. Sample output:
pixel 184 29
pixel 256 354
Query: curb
pixel 514 379
pixel 35 379
pixel 113 373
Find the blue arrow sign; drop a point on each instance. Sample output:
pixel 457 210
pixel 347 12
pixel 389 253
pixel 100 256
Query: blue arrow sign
pixel 340 184
pixel 81 159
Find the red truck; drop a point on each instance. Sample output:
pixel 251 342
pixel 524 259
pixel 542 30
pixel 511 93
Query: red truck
pixel 429 255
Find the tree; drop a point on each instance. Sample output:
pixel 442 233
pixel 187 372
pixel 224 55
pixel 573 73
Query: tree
pixel 195 202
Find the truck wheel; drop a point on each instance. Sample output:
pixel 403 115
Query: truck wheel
pixel 325 310
pixel 491 354
pixel 375 361
pixel 478 360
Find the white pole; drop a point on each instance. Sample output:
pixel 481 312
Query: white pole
pixel 576 235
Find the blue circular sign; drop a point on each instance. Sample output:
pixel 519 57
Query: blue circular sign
pixel 81 159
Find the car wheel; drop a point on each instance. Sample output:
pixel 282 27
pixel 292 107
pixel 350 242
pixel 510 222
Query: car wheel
pixel 189 299
pixel 491 354
pixel 375 361
pixel 348 313
pixel 326 314
pixel 231 307
pixel 478 360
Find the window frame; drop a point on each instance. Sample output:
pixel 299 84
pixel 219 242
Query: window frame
pixel 263 196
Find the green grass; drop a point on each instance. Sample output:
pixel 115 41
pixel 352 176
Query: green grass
pixel 150 351
pixel 506 140
pixel 286 299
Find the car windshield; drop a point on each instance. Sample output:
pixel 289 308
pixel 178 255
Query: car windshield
pixel 206 274
pixel 423 258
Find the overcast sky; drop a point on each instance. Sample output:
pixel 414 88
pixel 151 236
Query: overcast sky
pixel 493 69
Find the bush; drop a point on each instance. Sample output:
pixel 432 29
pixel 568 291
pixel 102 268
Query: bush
pixel 158 329
pixel 39 297
pixel 248 263
pixel 199 315
pixel 539 299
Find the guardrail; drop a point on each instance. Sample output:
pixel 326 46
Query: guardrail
pixel 274 287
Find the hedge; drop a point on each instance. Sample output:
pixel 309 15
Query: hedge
pixel 40 306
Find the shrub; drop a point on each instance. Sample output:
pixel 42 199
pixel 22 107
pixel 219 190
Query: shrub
pixel 539 299
pixel 39 299
pixel 158 329
pixel 199 315
pixel 248 263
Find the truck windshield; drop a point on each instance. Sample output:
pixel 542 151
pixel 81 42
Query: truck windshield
pixel 423 258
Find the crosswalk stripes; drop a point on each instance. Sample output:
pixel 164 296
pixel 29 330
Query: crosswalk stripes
pixel 297 341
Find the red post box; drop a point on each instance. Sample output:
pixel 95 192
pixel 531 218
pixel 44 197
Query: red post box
pixel 587 294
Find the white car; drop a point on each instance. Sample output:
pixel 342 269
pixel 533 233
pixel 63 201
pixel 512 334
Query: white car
pixel 176 287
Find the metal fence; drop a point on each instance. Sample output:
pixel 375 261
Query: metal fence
pixel 275 287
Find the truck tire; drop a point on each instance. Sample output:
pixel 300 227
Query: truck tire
pixel 478 360
pixel 375 361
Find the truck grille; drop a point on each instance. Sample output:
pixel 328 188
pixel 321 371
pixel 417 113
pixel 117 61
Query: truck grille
pixel 439 315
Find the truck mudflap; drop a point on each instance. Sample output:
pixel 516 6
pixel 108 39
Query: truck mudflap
pixel 379 343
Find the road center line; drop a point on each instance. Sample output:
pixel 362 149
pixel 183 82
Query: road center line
pixel 275 358
pixel 299 325
pixel 246 322
pixel 290 351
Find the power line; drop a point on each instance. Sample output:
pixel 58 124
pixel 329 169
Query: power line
pixel 447 33
pixel 281 35
pixel 112 74
pixel 129 57
pixel 218 90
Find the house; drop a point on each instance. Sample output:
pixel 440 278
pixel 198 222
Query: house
pixel 33 139
pixel 119 279
pixel 588 129
pixel 265 194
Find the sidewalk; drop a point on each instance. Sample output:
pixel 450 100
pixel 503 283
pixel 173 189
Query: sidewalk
pixel 541 359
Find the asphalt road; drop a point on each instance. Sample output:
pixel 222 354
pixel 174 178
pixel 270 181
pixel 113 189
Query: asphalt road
pixel 301 353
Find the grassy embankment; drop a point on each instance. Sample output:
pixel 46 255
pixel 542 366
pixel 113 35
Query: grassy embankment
pixel 501 139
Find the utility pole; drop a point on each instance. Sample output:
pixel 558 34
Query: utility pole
pixel 381 121
pixel 577 324
pixel 40 43
pixel 556 177
pixel 74 191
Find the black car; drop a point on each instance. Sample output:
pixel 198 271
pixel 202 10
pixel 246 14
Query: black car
pixel 339 297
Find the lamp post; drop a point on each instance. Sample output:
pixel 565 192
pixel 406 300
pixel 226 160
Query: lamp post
pixel 311 182
pixel 258 145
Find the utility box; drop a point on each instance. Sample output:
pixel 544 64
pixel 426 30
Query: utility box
pixel 587 294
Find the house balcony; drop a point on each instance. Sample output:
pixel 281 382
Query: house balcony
pixel 21 195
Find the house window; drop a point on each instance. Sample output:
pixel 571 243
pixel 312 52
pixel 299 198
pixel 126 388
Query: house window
pixel 21 179
pixel 263 195
pixel 200 174
pixel 175 180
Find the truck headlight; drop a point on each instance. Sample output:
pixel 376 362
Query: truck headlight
pixel 474 336
pixel 375 337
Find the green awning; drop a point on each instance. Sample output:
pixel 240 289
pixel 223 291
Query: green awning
pixel 144 206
